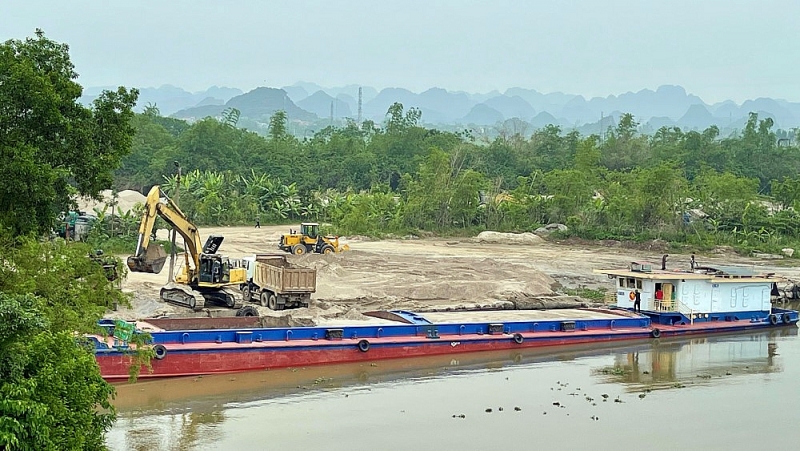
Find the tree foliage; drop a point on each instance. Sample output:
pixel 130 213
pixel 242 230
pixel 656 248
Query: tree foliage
pixel 50 385
pixel 46 135
pixel 52 396
pixel 676 184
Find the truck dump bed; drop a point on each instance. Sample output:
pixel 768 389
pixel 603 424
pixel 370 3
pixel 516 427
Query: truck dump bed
pixel 275 273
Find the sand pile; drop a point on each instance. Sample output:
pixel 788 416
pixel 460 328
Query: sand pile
pixel 508 238
pixel 126 200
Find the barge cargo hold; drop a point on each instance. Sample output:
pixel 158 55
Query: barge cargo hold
pixel 197 346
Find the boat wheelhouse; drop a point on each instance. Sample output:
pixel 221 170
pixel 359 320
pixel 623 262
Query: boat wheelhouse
pixel 700 293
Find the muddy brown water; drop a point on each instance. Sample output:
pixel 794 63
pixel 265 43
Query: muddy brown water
pixel 724 392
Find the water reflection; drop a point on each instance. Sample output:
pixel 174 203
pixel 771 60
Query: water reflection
pixel 192 413
pixel 179 432
pixel 674 364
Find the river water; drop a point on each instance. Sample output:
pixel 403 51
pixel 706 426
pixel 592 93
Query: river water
pixel 734 392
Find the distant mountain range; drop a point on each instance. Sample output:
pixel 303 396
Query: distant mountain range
pixel 309 103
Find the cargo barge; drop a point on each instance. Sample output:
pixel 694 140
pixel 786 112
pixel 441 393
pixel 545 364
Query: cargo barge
pixel 693 305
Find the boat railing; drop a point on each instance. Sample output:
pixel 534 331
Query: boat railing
pixel 686 310
pixel 665 305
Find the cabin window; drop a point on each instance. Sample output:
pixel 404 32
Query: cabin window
pixel 621 282
pixel 639 284
pixel 631 282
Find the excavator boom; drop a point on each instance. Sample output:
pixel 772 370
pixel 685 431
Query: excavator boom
pixel 150 257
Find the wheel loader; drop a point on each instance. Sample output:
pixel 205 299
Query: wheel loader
pixel 309 240
pixel 204 276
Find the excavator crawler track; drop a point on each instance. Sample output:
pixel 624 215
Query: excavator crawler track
pixel 223 297
pixel 202 297
pixel 183 296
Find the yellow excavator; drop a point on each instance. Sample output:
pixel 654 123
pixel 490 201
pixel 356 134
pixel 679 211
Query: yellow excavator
pixel 205 275
pixel 309 240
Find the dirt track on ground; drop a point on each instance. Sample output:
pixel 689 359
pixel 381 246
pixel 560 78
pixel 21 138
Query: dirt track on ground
pixel 430 274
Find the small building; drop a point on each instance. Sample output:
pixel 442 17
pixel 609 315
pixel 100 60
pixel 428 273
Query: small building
pixel 700 293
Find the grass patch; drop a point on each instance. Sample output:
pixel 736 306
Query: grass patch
pixel 587 293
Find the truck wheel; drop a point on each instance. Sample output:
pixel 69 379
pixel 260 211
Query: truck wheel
pixel 272 302
pixel 298 249
pixel 264 300
pixel 247 295
pixel 326 249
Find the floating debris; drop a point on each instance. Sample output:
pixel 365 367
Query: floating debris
pixel 618 400
pixel 518 409
pixel 605 396
pixel 595 418
pixel 488 410
pixel 642 395
pixel 645 372
pixel 556 403
pixel 461 415
pixel 499 409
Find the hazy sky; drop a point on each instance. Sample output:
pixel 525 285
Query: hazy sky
pixel 717 49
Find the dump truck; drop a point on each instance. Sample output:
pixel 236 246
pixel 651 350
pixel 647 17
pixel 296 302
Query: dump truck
pixel 276 283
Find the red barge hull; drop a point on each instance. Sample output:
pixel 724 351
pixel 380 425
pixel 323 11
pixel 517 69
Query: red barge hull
pixel 191 352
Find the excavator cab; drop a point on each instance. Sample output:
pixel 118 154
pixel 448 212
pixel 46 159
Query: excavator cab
pixel 214 269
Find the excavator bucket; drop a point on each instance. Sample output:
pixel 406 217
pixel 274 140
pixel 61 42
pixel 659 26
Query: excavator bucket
pixel 152 261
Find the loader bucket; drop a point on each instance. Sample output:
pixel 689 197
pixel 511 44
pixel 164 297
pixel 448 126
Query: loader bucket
pixel 153 260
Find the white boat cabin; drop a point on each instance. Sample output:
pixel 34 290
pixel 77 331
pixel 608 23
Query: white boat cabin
pixel 697 293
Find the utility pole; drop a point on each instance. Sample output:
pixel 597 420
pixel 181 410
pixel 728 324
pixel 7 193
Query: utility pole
pixel 172 249
pixel 359 106
pixel 601 128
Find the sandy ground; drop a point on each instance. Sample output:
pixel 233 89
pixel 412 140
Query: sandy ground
pixel 431 274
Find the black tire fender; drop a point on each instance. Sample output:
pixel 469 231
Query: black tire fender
pixel 787 318
pixel 160 352
pixel 518 339
pixel 247 310
pixel 363 345
pixel 655 333
pixel 773 319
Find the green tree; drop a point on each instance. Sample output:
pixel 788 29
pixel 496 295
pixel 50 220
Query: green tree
pixel 56 146
pixel 624 148
pixel 277 126
pixel 50 387
pixel 51 394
